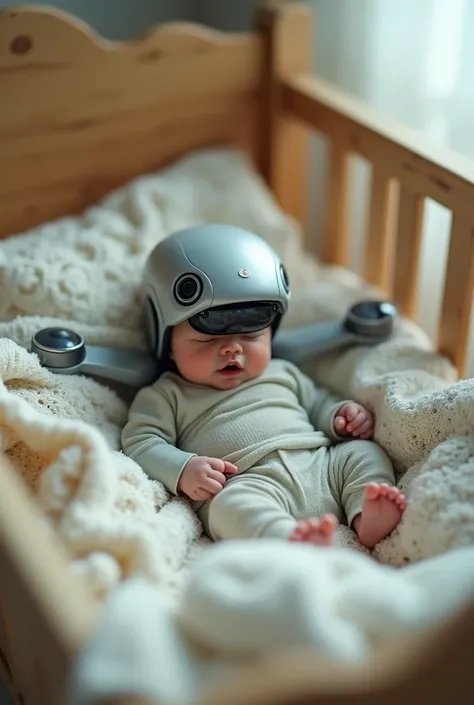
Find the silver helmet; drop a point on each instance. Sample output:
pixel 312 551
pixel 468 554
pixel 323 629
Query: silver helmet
pixel 220 278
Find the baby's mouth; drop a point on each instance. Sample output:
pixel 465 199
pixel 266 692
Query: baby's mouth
pixel 232 367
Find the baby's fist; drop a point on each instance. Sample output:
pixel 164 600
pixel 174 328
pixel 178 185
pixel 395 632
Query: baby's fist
pixel 355 420
pixel 204 477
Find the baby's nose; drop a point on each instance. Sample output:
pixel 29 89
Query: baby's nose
pixel 231 347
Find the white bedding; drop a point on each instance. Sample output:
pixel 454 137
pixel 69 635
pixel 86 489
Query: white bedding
pixel 243 599
pixel 62 433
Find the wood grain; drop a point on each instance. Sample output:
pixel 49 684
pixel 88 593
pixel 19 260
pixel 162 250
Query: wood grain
pixel 287 31
pixel 81 115
pixel 336 221
pixel 379 245
pixel 405 154
pixel 408 250
pixel 422 170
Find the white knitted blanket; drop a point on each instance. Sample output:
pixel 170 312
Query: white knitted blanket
pixel 62 433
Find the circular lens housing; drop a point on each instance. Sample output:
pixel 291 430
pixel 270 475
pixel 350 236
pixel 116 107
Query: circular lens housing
pixel 188 289
pixel 58 347
pixel 371 318
pixel 58 339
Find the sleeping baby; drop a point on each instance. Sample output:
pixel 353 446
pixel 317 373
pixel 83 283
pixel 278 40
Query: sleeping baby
pixel 257 447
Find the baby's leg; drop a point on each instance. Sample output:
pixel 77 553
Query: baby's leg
pixel 373 505
pixel 247 508
pixel 251 506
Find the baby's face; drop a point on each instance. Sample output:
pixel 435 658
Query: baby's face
pixel 223 361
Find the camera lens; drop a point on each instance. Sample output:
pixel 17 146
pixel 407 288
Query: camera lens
pixel 371 318
pixel 284 278
pixel 188 289
pixel 58 339
pixel 374 310
pixel 58 348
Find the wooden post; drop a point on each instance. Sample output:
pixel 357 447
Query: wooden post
pixel 458 292
pixel 408 250
pixel 287 32
pixel 379 247
pixel 336 221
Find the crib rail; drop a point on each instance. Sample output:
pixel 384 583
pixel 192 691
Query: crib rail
pixel 45 612
pixel 406 170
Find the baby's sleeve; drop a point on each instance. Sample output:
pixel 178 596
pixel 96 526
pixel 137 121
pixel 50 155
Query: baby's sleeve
pixel 150 435
pixel 320 405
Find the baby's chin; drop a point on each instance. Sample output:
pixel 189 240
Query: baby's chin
pixel 228 383
pixel 221 380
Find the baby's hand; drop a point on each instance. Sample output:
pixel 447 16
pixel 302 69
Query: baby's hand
pixel 354 420
pixel 203 477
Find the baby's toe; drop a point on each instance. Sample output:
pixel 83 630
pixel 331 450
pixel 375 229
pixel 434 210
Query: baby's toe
pixel 296 534
pixel 372 490
pixel 327 524
pixel 393 493
pixel 385 490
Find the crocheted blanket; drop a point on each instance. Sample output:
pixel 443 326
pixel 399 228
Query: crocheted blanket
pixel 62 433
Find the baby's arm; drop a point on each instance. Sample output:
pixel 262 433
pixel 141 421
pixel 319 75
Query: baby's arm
pixel 339 420
pixel 321 406
pixel 149 437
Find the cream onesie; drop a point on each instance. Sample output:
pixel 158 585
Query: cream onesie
pixel 278 429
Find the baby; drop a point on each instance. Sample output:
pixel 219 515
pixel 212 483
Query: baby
pixel 260 450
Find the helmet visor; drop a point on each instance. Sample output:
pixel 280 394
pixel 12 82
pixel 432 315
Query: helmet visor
pixel 240 318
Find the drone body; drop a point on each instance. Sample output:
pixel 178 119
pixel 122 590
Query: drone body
pixel 223 280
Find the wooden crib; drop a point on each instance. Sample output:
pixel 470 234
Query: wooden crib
pixel 79 116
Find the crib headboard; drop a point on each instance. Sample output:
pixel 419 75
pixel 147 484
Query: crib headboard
pixel 81 115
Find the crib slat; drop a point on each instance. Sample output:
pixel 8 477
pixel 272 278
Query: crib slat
pixel 458 292
pixel 408 247
pixel 287 32
pixel 379 240
pixel 336 243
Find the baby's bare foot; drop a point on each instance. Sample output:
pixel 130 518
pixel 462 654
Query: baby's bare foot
pixel 319 532
pixel 382 510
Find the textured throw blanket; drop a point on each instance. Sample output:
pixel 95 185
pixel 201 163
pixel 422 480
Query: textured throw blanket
pixel 244 599
pixel 63 433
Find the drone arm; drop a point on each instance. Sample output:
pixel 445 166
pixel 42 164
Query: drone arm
pixel 137 368
pixel 299 345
